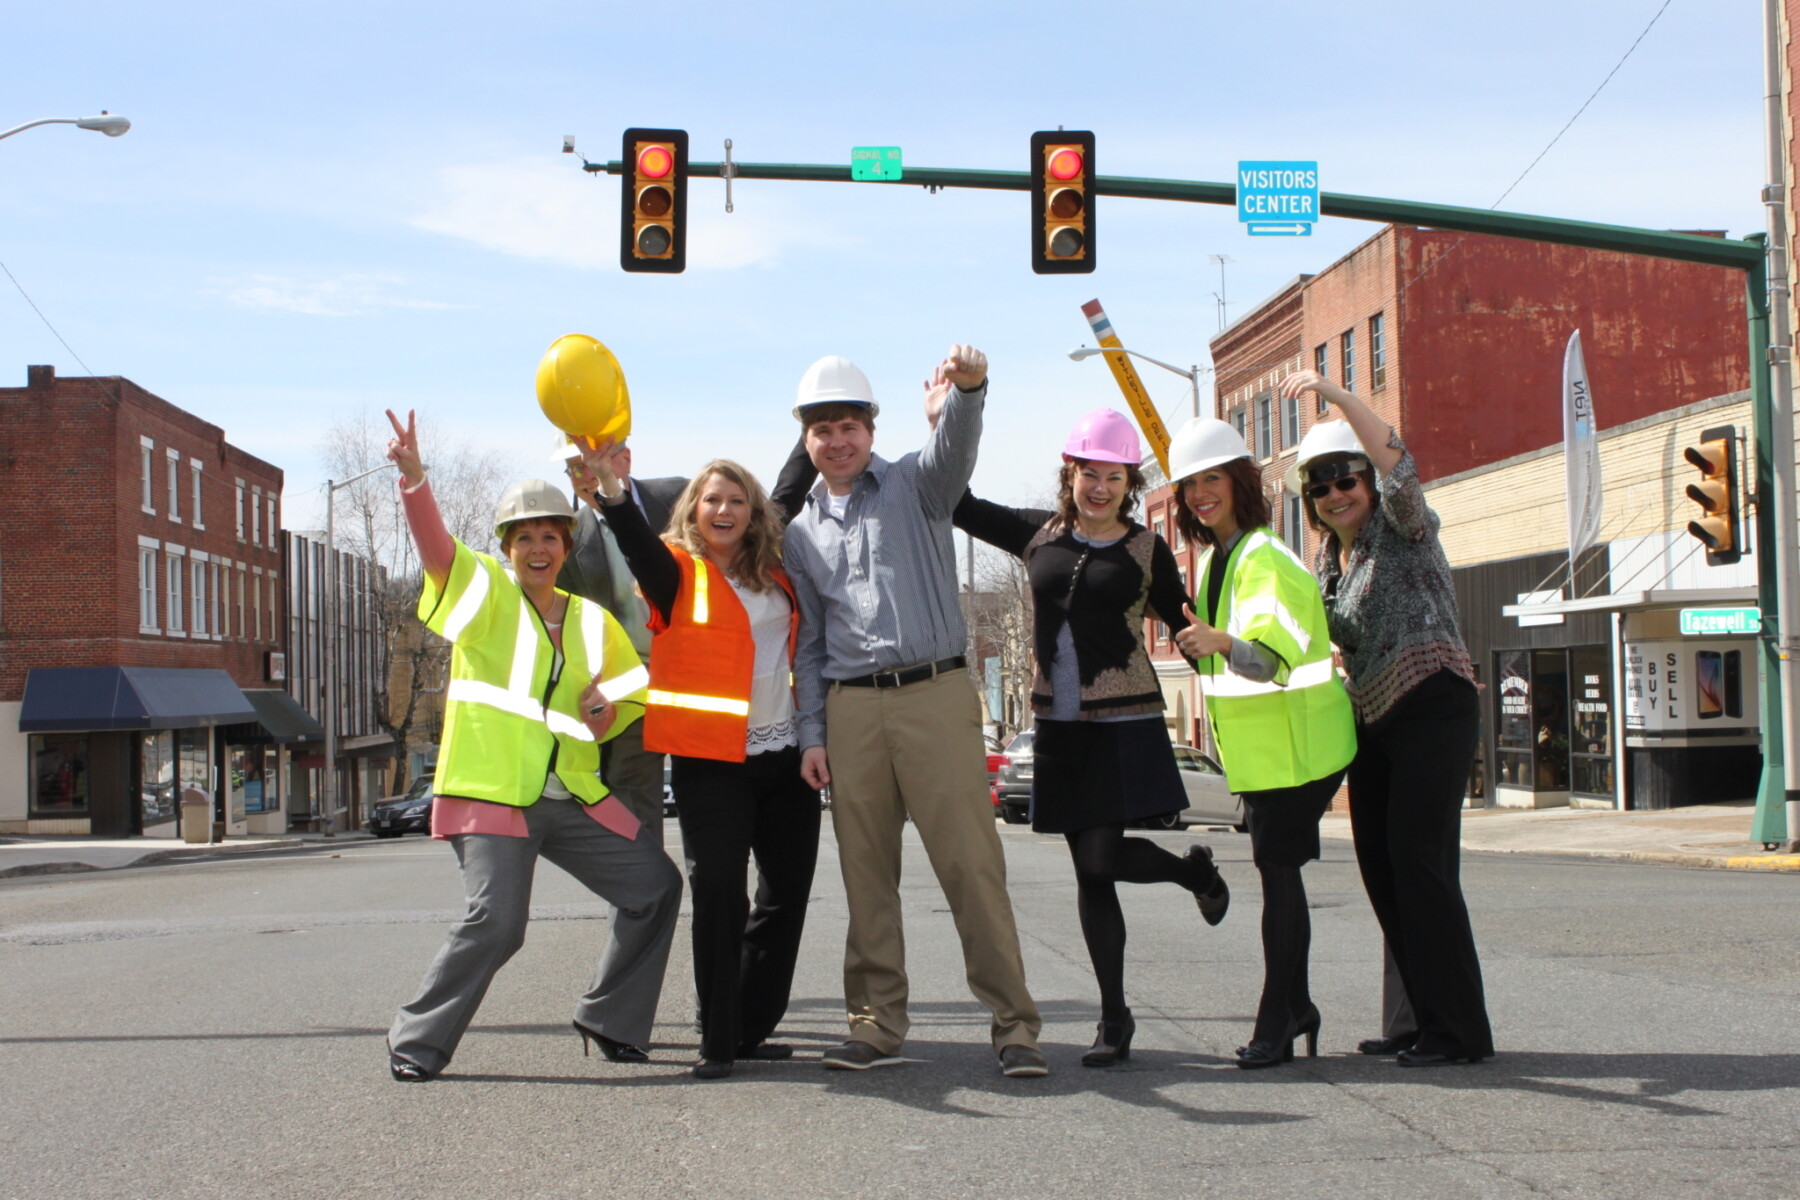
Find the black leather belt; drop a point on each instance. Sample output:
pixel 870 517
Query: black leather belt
pixel 894 679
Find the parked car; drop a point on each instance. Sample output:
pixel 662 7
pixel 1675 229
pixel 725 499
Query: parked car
pixel 1210 798
pixel 668 789
pixel 1012 786
pixel 409 813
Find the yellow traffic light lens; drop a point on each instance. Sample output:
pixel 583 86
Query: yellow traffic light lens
pixel 653 241
pixel 1065 163
pixel 654 201
pixel 655 162
pixel 1065 242
pixel 1066 204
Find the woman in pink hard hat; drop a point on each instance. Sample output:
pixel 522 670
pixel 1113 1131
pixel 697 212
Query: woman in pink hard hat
pixel 1103 757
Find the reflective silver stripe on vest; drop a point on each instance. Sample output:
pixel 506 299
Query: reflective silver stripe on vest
pixel 568 726
pixel 473 691
pixel 717 704
pixel 1256 606
pixel 524 656
pixel 620 686
pixel 1307 675
pixel 467 605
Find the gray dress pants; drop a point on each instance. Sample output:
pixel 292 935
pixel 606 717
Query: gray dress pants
pixel 635 877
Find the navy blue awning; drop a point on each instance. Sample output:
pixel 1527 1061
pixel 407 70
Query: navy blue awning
pixel 280 717
pixel 130 698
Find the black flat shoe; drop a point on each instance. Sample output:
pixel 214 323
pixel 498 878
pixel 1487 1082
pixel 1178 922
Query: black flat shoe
pixel 1217 897
pixel 1387 1045
pixel 711 1068
pixel 408 1072
pixel 1112 1043
pixel 620 1052
pixel 1430 1058
pixel 766 1051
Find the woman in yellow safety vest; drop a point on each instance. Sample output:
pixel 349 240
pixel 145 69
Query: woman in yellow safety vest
pixel 1394 618
pixel 538 679
pixel 721 706
pixel 1278 712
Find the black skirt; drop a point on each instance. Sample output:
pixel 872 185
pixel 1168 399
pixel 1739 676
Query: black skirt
pixel 1284 822
pixel 1089 773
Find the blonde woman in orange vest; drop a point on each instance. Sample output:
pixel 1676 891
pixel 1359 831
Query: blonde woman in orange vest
pixel 721 705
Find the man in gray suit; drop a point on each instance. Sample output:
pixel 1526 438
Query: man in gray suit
pixel 596 571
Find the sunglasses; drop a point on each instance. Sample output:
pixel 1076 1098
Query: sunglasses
pixel 1319 491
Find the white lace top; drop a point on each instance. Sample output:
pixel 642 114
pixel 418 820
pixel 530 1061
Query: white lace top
pixel 771 688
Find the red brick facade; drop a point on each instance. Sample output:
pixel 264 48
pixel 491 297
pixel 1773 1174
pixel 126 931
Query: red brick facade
pixel 73 521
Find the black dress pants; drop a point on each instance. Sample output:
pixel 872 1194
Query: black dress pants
pixel 1406 790
pixel 743 955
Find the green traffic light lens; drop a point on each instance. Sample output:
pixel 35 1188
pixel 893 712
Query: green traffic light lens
pixel 1066 243
pixel 653 241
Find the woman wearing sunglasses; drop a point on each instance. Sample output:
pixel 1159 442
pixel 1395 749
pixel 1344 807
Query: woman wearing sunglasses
pixel 1393 617
pixel 1277 709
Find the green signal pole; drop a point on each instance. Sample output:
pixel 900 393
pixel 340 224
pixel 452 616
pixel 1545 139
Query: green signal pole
pixel 1747 255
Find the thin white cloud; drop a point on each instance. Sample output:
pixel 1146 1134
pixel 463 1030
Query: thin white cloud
pixel 553 212
pixel 319 296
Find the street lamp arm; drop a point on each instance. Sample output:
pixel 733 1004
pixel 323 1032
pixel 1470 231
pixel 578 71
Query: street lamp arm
pixel 111 124
pixel 1089 351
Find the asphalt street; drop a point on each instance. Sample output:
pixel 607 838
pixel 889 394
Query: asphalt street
pixel 215 1029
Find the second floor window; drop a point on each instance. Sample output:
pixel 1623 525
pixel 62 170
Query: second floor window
pixel 1265 439
pixel 1322 364
pixel 1290 420
pixel 147 588
pixel 174 485
pixel 1347 358
pixel 147 468
pixel 1377 351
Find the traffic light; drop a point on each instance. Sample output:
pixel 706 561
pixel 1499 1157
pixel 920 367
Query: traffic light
pixel 653 210
pixel 1716 494
pixel 1062 203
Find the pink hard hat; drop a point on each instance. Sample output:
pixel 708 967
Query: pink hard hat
pixel 1104 436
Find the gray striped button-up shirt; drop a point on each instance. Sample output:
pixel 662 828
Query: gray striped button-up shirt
pixel 877 590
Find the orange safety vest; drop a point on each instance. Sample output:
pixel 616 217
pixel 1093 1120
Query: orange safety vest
pixel 702 662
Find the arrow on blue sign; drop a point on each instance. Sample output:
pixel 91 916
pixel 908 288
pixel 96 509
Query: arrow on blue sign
pixel 1296 229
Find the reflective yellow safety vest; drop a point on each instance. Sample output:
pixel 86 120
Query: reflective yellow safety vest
pixel 1299 726
pixel 505 728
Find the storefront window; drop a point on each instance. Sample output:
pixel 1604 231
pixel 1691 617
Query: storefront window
pixel 1591 749
pixel 1512 726
pixel 156 777
pixel 59 774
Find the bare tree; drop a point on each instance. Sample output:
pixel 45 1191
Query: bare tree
pixel 466 481
pixel 998 614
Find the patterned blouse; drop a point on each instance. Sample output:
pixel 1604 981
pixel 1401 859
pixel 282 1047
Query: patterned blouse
pixel 1393 610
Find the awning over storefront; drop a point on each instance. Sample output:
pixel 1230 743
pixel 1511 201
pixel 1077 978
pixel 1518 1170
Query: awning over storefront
pixel 92 698
pixel 281 715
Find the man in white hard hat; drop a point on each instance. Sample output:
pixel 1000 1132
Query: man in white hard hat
pixel 596 570
pixel 887 714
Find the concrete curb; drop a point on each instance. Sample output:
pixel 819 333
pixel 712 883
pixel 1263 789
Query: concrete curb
pixel 174 853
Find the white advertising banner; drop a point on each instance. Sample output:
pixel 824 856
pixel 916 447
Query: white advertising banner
pixel 1581 451
pixel 1690 687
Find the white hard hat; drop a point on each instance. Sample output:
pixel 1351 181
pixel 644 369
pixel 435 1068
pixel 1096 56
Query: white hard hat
pixel 834 379
pixel 1201 443
pixel 1327 437
pixel 533 498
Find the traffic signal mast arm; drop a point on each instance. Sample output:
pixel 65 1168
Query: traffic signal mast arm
pixel 1683 247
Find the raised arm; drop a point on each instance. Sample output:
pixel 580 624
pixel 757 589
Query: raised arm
pixel 947 460
pixel 437 549
pixel 1373 432
pixel 651 562
pixel 796 479
pixel 1008 529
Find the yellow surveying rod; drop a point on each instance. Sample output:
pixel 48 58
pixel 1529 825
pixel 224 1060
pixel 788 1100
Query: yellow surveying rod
pixel 1129 383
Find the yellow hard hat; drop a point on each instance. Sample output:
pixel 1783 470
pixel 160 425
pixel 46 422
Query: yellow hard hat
pixel 581 388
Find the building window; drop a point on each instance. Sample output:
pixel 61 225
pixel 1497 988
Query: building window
pixel 1293 525
pixel 177 574
pixel 242 579
pixel 174 485
pixel 197 566
pixel 256 606
pixel 147 468
pixel 156 776
pixel 255 515
pixel 274 613
pixel 1347 358
pixel 1237 420
pixel 240 510
pixel 1265 433
pixel 1322 364
pixel 1377 351
pixel 147 548
pixel 194 477
pixel 1290 420
pixel 59 774
pixel 221 598
pixel 270 501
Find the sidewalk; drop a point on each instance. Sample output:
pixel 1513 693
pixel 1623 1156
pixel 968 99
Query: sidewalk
pixel 61 855
pixel 1702 835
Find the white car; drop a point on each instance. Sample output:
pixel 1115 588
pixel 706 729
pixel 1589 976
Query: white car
pixel 1210 798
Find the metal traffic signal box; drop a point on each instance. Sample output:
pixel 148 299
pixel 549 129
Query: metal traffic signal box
pixel 653 209
pixel 1716 494
pixel 1062 202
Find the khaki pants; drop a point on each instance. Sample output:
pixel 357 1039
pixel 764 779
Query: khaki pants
pixel 917 751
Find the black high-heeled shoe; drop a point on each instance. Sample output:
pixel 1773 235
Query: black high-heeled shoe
pixel 1259 1053
pixel 1112 1043
pixel 619 1052
pixel 1217 897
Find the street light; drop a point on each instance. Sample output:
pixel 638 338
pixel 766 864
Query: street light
pixel 328 802
pixel 111 124
pixel 1191 374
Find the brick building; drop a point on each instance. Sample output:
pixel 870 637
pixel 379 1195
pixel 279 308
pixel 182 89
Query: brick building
pixel 1457 340
pixel 141 616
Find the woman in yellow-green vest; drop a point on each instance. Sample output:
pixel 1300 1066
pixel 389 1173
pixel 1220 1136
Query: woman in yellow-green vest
pixel 538 679
pixel 1279 714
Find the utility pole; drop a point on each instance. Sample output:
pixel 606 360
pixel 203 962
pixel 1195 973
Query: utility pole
pixel 1222 260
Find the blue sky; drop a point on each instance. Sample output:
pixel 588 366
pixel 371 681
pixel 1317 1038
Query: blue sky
pixel 333 208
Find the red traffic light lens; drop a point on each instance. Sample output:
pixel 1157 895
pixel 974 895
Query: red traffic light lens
pixel 655 162
pixel 1065 163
